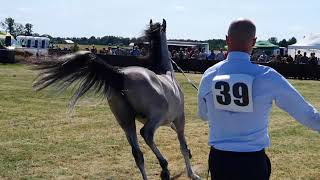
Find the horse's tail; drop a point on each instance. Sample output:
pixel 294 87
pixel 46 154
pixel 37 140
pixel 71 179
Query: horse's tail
pixel 83 67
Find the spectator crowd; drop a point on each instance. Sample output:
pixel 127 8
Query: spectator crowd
pixel 181 53
pixel 193 53
pixel 198 54
pixel 287 59
pixel 135 51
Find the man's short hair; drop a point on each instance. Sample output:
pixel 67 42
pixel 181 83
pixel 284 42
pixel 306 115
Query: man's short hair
pixel 242 31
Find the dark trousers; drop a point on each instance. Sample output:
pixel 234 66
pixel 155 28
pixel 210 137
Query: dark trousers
pixel 227 165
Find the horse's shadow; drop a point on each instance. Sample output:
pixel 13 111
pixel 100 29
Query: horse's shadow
pixel 175 177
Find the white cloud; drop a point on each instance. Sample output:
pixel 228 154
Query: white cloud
pixel 297 28
pixel 179 8
pixel 23 10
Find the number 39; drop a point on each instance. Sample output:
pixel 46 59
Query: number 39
pixel 239 92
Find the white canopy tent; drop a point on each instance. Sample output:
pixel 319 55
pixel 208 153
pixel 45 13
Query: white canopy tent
pixel 68 41
pixel 310 42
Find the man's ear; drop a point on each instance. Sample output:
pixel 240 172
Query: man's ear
pixel 227 39
pixel 164 25
pixel 254 42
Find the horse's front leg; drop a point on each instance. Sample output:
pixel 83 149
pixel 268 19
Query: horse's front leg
pixel 179 124
pixel 147 132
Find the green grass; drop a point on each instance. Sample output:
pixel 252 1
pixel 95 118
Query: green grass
pixel 40 140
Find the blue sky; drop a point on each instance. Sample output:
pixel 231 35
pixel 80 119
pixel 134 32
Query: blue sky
pixel 194 19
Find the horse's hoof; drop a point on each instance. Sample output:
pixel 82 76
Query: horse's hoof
pixel 195 177
pixel 165 175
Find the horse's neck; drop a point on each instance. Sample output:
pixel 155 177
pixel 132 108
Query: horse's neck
pixel 163 68
pixel 162 61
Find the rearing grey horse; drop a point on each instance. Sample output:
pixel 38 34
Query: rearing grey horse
pixel 153 97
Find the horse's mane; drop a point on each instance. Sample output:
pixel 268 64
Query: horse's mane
pixel 152 35
pixel 152 31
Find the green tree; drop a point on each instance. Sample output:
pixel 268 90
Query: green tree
pixel 217 43
pixel 273 40
pixel 47 35
pixel 75 47
pixel 283 43
pixel 292 40
pixel 12 27
pixel 28 29
pixel 18 29
pixel 8 25
pixel 92 40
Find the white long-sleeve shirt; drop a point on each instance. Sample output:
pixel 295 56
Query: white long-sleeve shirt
pixel 235 97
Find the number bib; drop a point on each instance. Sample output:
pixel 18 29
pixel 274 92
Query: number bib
pixel 233 92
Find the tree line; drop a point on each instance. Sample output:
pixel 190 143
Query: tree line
pixel 283 42
pixel 15 29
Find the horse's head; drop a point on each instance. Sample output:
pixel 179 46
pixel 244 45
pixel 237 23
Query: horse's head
pixel 156 35
pixel 158 31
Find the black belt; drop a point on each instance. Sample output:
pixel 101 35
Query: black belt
pixel 236 153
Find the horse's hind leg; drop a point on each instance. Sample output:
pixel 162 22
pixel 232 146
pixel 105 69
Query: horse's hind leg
pixel 126 118
pixel 136 152
pixel 147 132
pixel 179 128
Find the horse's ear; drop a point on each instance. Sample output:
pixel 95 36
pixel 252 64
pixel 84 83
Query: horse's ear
pixel 164 25
pixel 150 22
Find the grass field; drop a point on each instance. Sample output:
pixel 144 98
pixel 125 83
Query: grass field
pixel 40 140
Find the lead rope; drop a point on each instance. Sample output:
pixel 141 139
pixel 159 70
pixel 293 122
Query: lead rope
pixel 208 173
pixel 193 85
pixel 184 74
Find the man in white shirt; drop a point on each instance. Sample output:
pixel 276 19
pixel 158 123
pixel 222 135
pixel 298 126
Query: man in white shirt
pixel 203 55
pixel 263 57
pixel 220 56
pixel 235 97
